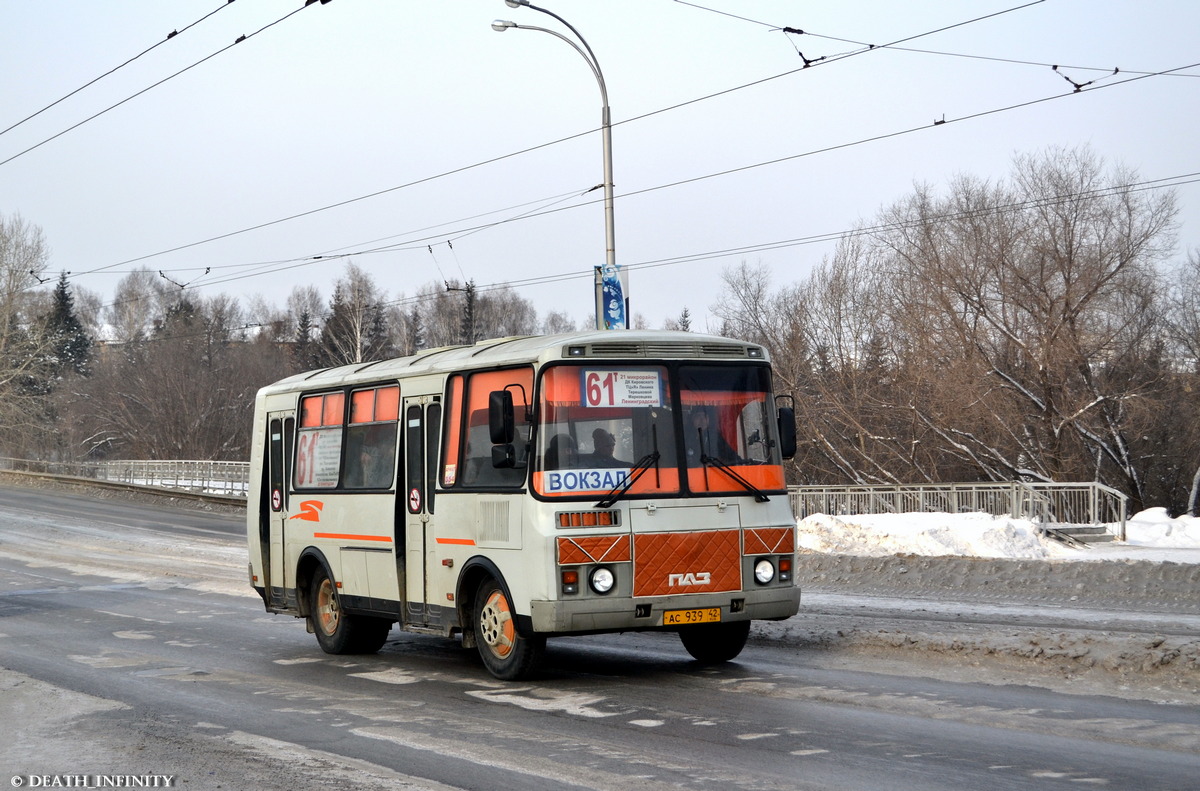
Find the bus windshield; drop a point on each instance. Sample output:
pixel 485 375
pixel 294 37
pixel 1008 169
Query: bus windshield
pixel 695 428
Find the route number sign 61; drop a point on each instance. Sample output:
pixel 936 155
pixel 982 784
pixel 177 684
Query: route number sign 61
pixel 616 388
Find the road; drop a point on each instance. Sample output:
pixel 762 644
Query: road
pixel 130 643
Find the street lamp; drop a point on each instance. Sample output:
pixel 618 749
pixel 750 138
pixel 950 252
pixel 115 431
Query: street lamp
pixel 612 301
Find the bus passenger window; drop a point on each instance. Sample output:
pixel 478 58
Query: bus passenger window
pixel 477 469
pixel 371 438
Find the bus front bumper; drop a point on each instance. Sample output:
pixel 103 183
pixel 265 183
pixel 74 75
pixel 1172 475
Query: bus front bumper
pixel 602 614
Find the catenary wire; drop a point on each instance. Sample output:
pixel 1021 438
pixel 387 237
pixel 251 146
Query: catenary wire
pixel 149 88
pixel 822 238
pixel 420 243
pixel 527 150
pixel 115 69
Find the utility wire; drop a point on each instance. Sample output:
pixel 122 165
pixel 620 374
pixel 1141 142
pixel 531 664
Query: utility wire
pixel 170 36
pixel 520 152
pixel 346 251
pixel 422 242
pixel 1033 203
pixel 828 149
pixel 794 31
pixel 1164 183
pixel 821 238
pixel 239 40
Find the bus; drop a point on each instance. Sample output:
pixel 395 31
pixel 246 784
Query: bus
pixel 521 488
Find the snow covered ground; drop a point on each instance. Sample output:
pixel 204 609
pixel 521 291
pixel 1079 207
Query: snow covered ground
pixel 1151 535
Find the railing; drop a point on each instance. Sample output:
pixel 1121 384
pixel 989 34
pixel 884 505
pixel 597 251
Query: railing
pixel 211 477
pixel 1045 503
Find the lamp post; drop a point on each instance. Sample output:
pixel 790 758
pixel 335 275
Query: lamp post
pixel 612 301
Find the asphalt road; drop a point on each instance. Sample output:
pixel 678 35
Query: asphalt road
pixel 131 644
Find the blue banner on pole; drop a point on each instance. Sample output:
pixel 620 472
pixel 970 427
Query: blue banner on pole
pixel 613 297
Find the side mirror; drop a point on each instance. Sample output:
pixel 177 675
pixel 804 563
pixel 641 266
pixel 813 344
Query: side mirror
pixel 787 431
pixel 504 456
pixel 501 423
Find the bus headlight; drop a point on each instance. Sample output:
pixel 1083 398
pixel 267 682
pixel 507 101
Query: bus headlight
pixel 601 580
pixel 764 571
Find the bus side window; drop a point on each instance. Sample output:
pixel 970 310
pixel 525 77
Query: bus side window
pixel 479 471
pixel 371 438
pixel 452 462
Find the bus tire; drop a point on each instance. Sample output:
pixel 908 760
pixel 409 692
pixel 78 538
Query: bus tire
pixel 337 632
pixel 505 653
pixel 712 643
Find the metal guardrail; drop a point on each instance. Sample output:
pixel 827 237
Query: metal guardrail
pixel 1044 503
pixel 209 477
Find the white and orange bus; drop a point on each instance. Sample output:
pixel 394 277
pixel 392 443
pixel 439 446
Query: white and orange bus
pixel 528 487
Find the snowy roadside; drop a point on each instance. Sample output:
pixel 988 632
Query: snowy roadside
pixel 972 593
pixel 991 597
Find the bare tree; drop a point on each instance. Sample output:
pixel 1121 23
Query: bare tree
pixel 23 349
pixel 1036 291
pixel 503 313
pixel 556 322
pixel 139 302
pixel 355 328
pixel 185 391
pixel 439 311
pixel 1182 320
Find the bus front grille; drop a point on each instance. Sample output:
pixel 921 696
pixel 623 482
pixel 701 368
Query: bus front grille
pixel 677 563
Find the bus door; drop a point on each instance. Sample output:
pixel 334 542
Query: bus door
pixel 281 427
pixel 422 419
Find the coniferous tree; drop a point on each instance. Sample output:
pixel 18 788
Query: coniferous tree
pixel 302 348
pixel 467 334
pixel 70 346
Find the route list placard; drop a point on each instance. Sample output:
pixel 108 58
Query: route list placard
pixel 621 388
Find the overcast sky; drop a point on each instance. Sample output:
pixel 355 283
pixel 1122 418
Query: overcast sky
pixel 458 131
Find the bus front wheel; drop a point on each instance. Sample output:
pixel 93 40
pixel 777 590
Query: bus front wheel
pixel 337 632
pixel 712 643
pixel 507 654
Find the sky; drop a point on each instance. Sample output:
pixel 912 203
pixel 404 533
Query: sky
pixel 429 147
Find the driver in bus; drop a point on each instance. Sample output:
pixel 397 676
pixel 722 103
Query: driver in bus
pixel 703 440
pixel 603 445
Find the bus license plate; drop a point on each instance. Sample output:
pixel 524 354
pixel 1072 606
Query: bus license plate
pixel 683 617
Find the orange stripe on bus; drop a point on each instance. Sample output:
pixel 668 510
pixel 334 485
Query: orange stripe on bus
pixel 353 537
pixel 466 541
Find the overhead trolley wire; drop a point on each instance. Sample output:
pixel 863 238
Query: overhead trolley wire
pixel 115 69
pixel 519 152
pixel 421 242
pixel 149 88
pixel 778 160
pixel 1142 186
pixel 1034 203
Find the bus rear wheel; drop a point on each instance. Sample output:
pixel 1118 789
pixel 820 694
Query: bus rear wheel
pixel 505 652
pixel 337 632
pixel 712 643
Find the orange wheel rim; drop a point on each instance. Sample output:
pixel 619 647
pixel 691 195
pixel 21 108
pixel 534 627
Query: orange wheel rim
pixel 496 625
pixel 327 608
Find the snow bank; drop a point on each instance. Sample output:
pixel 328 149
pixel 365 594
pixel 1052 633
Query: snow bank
pixel 1155 528
pixel 986 536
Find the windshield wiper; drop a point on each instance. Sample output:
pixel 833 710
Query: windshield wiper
pixel 635 472
pixel 706 460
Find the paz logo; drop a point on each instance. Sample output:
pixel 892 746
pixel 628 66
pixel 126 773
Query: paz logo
pixel 689 578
